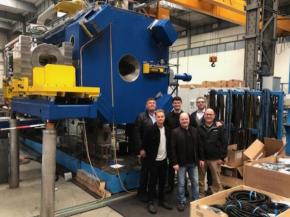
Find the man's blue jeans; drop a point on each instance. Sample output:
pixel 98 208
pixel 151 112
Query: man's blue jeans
pixel 192 171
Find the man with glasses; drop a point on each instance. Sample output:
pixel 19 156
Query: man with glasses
pixel 213 150
pixel 196 117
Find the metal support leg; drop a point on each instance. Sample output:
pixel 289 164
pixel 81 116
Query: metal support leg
pixel 48 171
pixel 14 156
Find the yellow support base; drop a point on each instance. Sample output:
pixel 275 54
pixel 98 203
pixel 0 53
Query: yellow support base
pixel 51 80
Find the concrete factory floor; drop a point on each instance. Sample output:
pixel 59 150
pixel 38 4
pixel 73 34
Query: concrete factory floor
pixel 25 201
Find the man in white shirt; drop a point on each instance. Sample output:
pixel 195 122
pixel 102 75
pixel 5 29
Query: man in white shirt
pixel 157 148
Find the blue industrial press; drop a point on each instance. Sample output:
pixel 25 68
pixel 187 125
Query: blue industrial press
pixel 125 54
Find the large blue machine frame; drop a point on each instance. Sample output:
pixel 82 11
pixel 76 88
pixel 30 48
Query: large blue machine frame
pixel 115 183
pixel 116 34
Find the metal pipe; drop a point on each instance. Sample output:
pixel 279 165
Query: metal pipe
pixel 11 42
pixel 14 156
pixel 48 171
pixel 82 208
pixel 49 13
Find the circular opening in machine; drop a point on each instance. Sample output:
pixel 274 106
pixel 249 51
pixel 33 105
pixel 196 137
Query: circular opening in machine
pixel 45 59
pixel 72 40
pixel 129 68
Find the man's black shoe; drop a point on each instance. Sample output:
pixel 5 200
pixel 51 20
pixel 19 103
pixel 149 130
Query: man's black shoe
pixel 151 208
pixel 180 207
pixel 165 205
pixel 208 192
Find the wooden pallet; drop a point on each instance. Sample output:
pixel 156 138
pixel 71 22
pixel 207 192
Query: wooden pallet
pixel 92 183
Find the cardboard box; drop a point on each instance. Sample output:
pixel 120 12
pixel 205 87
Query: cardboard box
pixel 200 208
pixel 241 170
pixel 227 170
pixel 235 157
pixel 273 146
pixel 231 176
pixel 255 150
pixel 268 180
pixel 228 181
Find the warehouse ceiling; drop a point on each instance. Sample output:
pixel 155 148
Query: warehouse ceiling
pixel 14 12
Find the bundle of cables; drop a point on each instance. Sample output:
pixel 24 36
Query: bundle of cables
pixel 275 208
pixel 251 204
pixel 237 208
pixel 251 197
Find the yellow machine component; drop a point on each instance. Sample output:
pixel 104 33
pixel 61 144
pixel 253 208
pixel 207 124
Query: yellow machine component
pixel 52 80
pixel 71 7
pixel 229 10
pixel 7 90
pixel 147 68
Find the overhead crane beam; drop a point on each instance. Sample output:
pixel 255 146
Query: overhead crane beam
pixel 212 10
pixel 229 10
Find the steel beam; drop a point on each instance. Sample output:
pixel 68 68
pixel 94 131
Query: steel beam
pixel 251 45
pixel 14 156
pixel 260 40
pixel 234 5
pixel 48 171
pixel 229 10
pixel 11 16
pixel 212 10
pixel 18 5
pixel 180 22
pixel 4 25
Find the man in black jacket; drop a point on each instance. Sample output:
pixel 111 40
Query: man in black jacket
pixel 172 122
pixel 213 150
pixel 144 120
pixel 157 148
pixel 185 158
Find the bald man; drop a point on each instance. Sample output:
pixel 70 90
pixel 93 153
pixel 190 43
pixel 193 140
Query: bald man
pixel 213 151
pixel 185 158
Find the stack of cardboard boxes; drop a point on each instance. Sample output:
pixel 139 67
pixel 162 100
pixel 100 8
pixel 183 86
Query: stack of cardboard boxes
pixel 216 84
pixel 233 171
